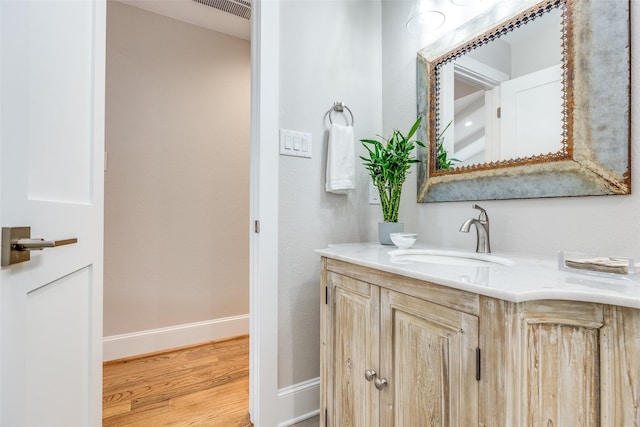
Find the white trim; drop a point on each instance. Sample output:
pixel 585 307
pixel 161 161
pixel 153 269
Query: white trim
pixel 478 73
pixel 263 286
pixel 299 402
pixel 97 292
pixel 300 418
pixel 149 341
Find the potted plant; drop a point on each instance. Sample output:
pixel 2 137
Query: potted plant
pixel 388 164
pixel 443 162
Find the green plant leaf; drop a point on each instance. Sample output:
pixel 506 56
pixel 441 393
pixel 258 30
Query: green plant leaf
pixel 415 127
pixel 388 163
pixel 442 160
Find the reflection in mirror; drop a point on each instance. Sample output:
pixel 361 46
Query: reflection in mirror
pixel 528 99
pixel 504 99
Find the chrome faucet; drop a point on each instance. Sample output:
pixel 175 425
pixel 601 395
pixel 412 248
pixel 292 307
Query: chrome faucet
pixel 482 230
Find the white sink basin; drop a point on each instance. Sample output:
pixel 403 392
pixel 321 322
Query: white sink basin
pixel 442 257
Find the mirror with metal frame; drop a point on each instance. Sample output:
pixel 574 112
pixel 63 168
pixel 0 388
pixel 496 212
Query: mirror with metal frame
pixel 528 100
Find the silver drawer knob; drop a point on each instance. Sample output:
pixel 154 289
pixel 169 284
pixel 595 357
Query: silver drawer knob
pixel 370 374
pixel 380 383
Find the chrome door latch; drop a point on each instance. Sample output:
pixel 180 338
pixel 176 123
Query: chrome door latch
pixel 17 244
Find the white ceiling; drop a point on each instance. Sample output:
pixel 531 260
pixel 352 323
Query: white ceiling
pixel 197 14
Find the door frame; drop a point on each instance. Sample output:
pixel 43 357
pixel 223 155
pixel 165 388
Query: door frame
pixel 263 257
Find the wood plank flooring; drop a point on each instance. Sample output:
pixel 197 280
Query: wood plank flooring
pixel 204 385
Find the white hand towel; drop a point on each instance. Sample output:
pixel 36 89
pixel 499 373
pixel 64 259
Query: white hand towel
pixel 341 170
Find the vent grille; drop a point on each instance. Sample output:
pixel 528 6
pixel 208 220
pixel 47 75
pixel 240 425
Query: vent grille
pixel 241 8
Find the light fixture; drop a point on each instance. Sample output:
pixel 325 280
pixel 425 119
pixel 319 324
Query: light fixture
pixel 423 18
pixel 468 123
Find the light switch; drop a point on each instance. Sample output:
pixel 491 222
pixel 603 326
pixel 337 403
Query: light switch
pixel 294 143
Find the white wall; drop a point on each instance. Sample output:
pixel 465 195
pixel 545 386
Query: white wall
pixel 605 224
pixel 541 51
pixel 329 51
pixel 177 187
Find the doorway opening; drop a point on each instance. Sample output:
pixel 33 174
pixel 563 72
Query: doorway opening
pixel 176 183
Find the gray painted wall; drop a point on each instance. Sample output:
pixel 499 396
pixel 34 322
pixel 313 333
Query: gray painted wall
pixel 329 51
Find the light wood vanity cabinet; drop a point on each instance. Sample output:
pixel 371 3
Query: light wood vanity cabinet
pixel 455 358
pixel 423 352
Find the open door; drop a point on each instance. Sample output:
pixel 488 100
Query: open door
pixel 51 179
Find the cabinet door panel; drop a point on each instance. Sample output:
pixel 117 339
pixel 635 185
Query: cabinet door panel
pixel 355 309
pixel 562 369
pixel 561 344
pixel 428 358
pixel 620 367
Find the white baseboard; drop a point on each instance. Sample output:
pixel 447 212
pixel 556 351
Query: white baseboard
pixel 136 343
pixel 299 402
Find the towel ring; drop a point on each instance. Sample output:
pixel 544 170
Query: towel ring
pixel 339 107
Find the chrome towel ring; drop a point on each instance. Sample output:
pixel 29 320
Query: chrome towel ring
pixel 339 107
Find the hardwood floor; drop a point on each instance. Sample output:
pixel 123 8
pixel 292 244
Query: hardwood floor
pixel 204 385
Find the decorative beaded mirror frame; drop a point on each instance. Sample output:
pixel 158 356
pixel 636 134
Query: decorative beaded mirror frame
pixel 595 154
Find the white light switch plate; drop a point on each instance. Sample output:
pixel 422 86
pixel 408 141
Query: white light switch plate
pixel 294 143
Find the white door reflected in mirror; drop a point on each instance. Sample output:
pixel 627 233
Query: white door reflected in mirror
pixel 504 99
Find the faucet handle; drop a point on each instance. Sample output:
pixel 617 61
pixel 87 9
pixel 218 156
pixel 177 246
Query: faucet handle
pixel 483 214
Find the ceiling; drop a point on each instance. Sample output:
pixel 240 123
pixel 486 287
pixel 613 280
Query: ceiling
pixel 197 14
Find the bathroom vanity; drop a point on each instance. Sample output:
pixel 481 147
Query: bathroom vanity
pixel 506 341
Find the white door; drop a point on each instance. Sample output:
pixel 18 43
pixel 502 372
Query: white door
pixel 52 56
pixel 531 121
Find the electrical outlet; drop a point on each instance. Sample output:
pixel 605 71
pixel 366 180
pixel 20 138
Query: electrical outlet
pixel 374 196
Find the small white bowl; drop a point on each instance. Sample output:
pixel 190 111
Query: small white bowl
pixel 403 240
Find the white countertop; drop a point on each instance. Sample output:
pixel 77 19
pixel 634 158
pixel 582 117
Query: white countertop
pixel 528 278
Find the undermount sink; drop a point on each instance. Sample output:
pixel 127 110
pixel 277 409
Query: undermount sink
pixel 443 257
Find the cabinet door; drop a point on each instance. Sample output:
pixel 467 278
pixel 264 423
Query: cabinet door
pixel 556 368
pixel 579 365
pixel 428 356
pixel 620 367
pixel 352 349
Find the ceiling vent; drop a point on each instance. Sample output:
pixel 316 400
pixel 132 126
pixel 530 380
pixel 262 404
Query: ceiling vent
pixel 241 8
